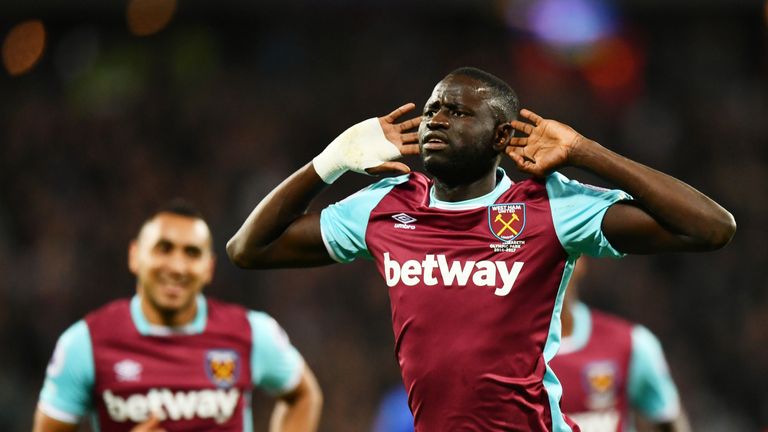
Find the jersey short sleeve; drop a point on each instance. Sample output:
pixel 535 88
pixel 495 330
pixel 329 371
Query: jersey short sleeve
pixel 69 378
pixel 343 224
pixel 651 389
pixel 577 212
pixel 276 366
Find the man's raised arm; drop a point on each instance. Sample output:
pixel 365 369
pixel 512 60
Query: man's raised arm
pixel 280 233
pixel 666 214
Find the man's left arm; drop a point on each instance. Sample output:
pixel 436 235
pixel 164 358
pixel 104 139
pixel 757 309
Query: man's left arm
pixel 299 409
pixel 666 214
pixel 278 369
pixel 651 390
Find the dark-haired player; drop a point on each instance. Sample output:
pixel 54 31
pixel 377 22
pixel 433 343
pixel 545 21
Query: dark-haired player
pixel 170 358
pixel 612 370
pixel 476 265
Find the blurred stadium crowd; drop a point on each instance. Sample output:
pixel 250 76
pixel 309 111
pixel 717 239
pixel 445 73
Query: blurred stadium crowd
pixel 223 99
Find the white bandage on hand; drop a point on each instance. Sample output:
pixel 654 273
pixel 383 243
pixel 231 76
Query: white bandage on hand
pixel 357 148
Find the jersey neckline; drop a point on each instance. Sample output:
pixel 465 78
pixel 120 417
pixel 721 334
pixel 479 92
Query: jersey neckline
pixel 145 328
pixel 582 328
pixel 503 182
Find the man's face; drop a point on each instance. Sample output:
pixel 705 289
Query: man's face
pixel 457 130
pixel 172 261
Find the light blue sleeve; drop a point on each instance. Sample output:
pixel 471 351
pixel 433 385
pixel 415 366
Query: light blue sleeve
pixel 276 366
pixel 577 212
pixel 651 389
pixel 343 224
pixel 67 392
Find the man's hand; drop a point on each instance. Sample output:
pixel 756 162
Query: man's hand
pixel 151 425
pixel 369 147
pixel 407 143
pixel 548 146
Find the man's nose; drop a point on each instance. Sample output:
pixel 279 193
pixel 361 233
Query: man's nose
pixel 438 121
pixel 177 263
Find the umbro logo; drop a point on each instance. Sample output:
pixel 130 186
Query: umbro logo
pixel 405 221
pixel 128 370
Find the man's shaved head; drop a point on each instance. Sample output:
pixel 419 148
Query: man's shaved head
pixel 502 98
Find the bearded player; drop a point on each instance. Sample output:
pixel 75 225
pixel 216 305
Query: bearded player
pixel 476 264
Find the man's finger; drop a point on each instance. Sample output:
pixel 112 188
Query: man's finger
pixel 409 149
pixel 389 168
pixel 523 127
pixel 394 115
pixel 518 142
pixel 409 138
pixel 532 116
pixel 410 124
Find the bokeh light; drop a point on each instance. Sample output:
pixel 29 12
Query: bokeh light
pixel 571 22
pixel 614 65
pixel 146 17
pixel 23 47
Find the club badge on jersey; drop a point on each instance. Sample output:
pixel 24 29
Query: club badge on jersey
pixel 600 383
pixel 222 367
pixel 507 222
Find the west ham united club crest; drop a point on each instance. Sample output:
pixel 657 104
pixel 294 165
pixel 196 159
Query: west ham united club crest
pixel 222 367
pixel 600 379
pixel 506 221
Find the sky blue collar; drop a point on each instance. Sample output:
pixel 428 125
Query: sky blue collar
pixel 146 328
pixel 502 184
pixel 582 328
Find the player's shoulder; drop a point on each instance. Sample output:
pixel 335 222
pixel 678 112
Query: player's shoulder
pixel 108 311
pixel 217 307
pixel 411 186
pixel 410 180
pixel 609 320
pixel 558 185
pixel 75 333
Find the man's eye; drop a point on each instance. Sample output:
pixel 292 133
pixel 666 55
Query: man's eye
pixel 460 114
pixel 429 113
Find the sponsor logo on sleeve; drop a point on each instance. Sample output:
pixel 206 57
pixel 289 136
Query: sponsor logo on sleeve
pixel 222 367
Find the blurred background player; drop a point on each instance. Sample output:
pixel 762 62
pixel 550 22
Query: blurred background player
pixel 611 369
pixel 170 358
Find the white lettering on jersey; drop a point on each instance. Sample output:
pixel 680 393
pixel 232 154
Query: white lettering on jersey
pixel 483 273
pixel 597 421
pixel 216 404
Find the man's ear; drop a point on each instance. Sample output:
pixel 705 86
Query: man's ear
pixel 210 270
pixel 133 256
pixel 504 132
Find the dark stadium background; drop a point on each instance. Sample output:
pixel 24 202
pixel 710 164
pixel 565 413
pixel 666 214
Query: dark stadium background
pixel 223 101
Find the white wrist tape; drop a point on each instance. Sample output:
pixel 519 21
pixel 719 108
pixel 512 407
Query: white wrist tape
pixel 357 148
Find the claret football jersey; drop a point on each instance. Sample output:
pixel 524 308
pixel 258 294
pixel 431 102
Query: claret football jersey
pixel 610 369
pixel 476 289
pixel 117 366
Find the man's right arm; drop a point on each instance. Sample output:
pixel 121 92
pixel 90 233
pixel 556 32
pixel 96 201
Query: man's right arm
pixel 280 233
pixel 66 394
pixel 43 423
